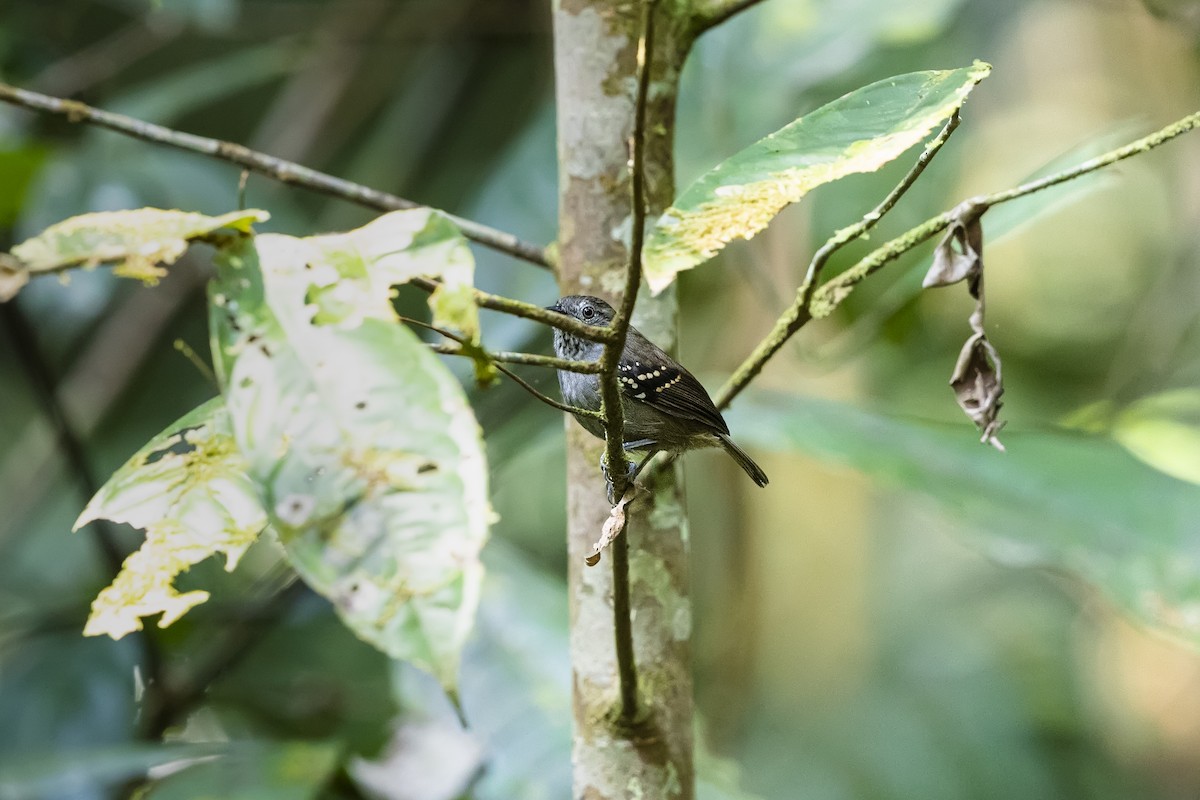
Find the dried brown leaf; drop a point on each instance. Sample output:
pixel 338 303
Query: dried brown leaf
pixel 613 526
pixel 978 386
pixel 959 256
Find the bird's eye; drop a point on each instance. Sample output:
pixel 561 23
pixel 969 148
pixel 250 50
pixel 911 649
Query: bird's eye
pixel 587 312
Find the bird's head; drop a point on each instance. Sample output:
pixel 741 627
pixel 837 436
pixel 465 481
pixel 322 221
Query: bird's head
pixel 585 308
pixel 588 310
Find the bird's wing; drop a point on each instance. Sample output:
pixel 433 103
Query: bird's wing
pixel 663 384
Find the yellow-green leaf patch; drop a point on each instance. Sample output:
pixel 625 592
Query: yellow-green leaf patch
pixel 140 243
pixel 189 490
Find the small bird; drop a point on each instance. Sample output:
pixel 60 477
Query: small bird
pixel 665 407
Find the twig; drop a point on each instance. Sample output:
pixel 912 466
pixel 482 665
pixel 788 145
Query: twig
pixel 846 235
pixel 798 314
pixel 470 351
pixel 525 359
pixel 518 308
pixel 277 168
pixel 237 644
pixel 610 391
pixel 715 12
pixel 45 387
pixel 821 302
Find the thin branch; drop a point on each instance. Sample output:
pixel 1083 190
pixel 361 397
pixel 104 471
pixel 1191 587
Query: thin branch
pixel 45 386
pixel 463 348
pixel 547 399
pixel 277 168
pixel 610 391
pixel 714 12
pixel 798 314
pixel 821 302
pixel 846 235
pixel 525 359
pixel 518 308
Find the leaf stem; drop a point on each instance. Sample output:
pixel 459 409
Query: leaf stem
pixel 271 166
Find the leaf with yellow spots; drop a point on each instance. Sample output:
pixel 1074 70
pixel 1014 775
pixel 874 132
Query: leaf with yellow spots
pixel 360 436
pixel 859 132
pixel 139 243
pixel 188 488
pixel 351 274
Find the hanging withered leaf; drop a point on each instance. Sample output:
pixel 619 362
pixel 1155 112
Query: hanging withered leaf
pixel 959 256
pixel 614 526
pixel 977 381
pixel 978 386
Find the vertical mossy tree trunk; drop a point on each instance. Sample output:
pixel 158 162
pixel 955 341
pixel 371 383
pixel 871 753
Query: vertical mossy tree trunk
pixel 595 61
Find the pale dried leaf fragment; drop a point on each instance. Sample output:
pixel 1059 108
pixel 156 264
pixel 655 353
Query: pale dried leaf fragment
pixel 614 526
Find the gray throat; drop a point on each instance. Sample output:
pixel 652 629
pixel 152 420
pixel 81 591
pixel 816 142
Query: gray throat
pixel 575 349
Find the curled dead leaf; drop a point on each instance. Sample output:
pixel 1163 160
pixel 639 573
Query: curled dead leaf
pixel 959 256
pixel 978 386
pixel 613 526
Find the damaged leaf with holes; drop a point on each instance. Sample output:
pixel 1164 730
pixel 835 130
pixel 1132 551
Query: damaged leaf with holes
pixel 364 445
pixel 352 274
pixel 139 243
pixel 189 490
pixel 859 132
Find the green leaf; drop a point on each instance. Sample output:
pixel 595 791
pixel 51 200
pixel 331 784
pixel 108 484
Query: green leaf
pixel 140 243
pixel 859 132
pixel 189 490
pixel 1059 499
pixel 352 276
pixel 255 770
pixel 67 771
pixel 368 455
pixel 1163 430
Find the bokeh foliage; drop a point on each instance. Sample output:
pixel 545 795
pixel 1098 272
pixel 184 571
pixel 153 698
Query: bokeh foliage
pixel 854 640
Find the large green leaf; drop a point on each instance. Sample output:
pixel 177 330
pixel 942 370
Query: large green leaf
pixel 188 488
pixel 859 132
pixel 255 770
pixel 67 771
pixel 1162 430
pixel 1057 498
pixel 369 458
pixel 139 242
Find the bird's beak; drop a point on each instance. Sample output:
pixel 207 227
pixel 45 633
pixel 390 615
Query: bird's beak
pixel 556 308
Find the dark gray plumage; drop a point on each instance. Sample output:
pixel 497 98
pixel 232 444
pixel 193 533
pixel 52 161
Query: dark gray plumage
pixel 665 407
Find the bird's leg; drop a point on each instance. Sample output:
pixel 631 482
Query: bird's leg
pixel 631 470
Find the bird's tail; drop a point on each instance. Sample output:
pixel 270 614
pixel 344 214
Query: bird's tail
pixel 744 461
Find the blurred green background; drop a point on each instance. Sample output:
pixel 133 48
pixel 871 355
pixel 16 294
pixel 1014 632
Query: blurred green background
pixel 903 614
